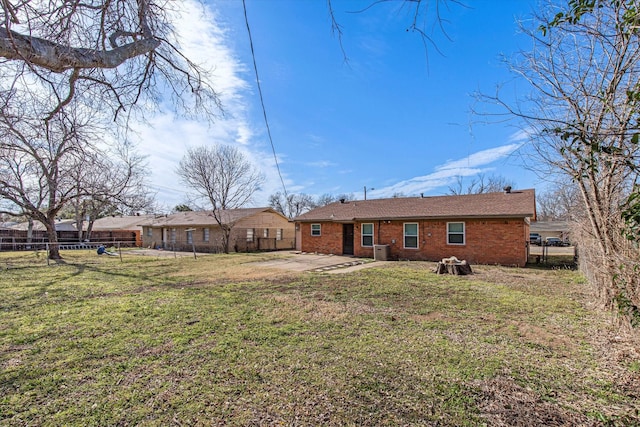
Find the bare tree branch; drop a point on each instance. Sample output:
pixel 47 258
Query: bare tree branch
pixel 222 176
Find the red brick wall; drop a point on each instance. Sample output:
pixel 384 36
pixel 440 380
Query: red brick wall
pixel 495 241
pixel 329 241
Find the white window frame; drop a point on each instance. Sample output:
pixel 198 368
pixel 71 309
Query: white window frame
pixel 317 231
pixel 279 234
pixel 189 236
pixel 250 234
pixel 457 233
pixel 405 235
pixel 173 235
pixel 363 235
pixel 205 234
pixel 149 232
pixel 265 233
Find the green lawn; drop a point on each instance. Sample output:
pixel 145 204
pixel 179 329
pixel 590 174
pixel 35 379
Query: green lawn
pixel 208 341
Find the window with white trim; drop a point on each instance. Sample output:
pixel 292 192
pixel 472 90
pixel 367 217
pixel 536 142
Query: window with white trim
pixel 249 234
pixel 149 232
pixel 205 234
pixel 315 229
pixel 279 234
pixel 173 235
pixel 265 233
pixel 411 235
pixel 455 233
pixel 367 234
pixel 189 236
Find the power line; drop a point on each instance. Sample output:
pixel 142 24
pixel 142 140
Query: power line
pixel 264 111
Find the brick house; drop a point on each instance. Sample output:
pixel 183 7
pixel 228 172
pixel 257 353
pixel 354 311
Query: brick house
pixel 253 229
pixel 491 228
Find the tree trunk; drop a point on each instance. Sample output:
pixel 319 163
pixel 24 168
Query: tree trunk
pixel 54 247
pixel 79 221
pixel 89 229
pixel 453 266
pixel 30 230
pixel 226 234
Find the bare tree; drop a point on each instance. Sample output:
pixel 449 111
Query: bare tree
pixel 34 165
pixel 106 54
pixel 480 184
pixel 583 119
pixel 327 198
pixel 559 202
pixel 293 205
pixel 108 185
pixel 47 166
pixel 222 176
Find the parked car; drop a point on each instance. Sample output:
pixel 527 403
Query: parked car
pixel 535 239
pixel 553 241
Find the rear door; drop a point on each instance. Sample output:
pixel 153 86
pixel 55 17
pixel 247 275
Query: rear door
pixel 347 239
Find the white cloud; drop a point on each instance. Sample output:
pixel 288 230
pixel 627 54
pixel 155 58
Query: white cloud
pixel 445 174
pixel 321 164
pixel 478 159
pixel 166 137
pixel 521 136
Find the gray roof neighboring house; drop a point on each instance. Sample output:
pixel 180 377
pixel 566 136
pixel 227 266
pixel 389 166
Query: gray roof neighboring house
pixel 125 222
pixel 229 216
pixel 61 225
pixel 513 204
pixel 7 225
pixel 549 226
pixel 109 223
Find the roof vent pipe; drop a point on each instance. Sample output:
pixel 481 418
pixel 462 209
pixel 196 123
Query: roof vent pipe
pixel 342 200
pixel 507 189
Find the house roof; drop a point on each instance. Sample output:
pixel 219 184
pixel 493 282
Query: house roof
pixel 519 203
pixel 61 225
pixel 549 226
pixel 194 218
pixel 128 222
pixel 109 223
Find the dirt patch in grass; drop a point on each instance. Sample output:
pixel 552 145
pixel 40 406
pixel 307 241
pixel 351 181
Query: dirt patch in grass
pixel 505 403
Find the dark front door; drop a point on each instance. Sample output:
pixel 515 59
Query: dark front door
pixel 347 239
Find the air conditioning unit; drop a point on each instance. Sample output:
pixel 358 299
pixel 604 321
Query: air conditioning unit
pixel 381 252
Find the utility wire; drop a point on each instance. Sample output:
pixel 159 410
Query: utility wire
pixel 264 111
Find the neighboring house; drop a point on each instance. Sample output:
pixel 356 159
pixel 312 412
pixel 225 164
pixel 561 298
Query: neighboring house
pixel 61 225
pixel 491 228
pixel 546 229
pixel 253 229
pixel 117 224
pixel 117 228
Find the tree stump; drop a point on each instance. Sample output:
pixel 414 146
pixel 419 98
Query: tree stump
pixel 453 266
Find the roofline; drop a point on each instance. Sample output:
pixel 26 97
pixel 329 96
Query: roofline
pixel 161 221
pixel 415 218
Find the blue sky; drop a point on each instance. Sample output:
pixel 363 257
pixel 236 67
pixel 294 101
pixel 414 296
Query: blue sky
pixel 395 117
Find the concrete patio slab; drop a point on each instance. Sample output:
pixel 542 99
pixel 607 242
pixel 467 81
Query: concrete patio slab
pixel 301 261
